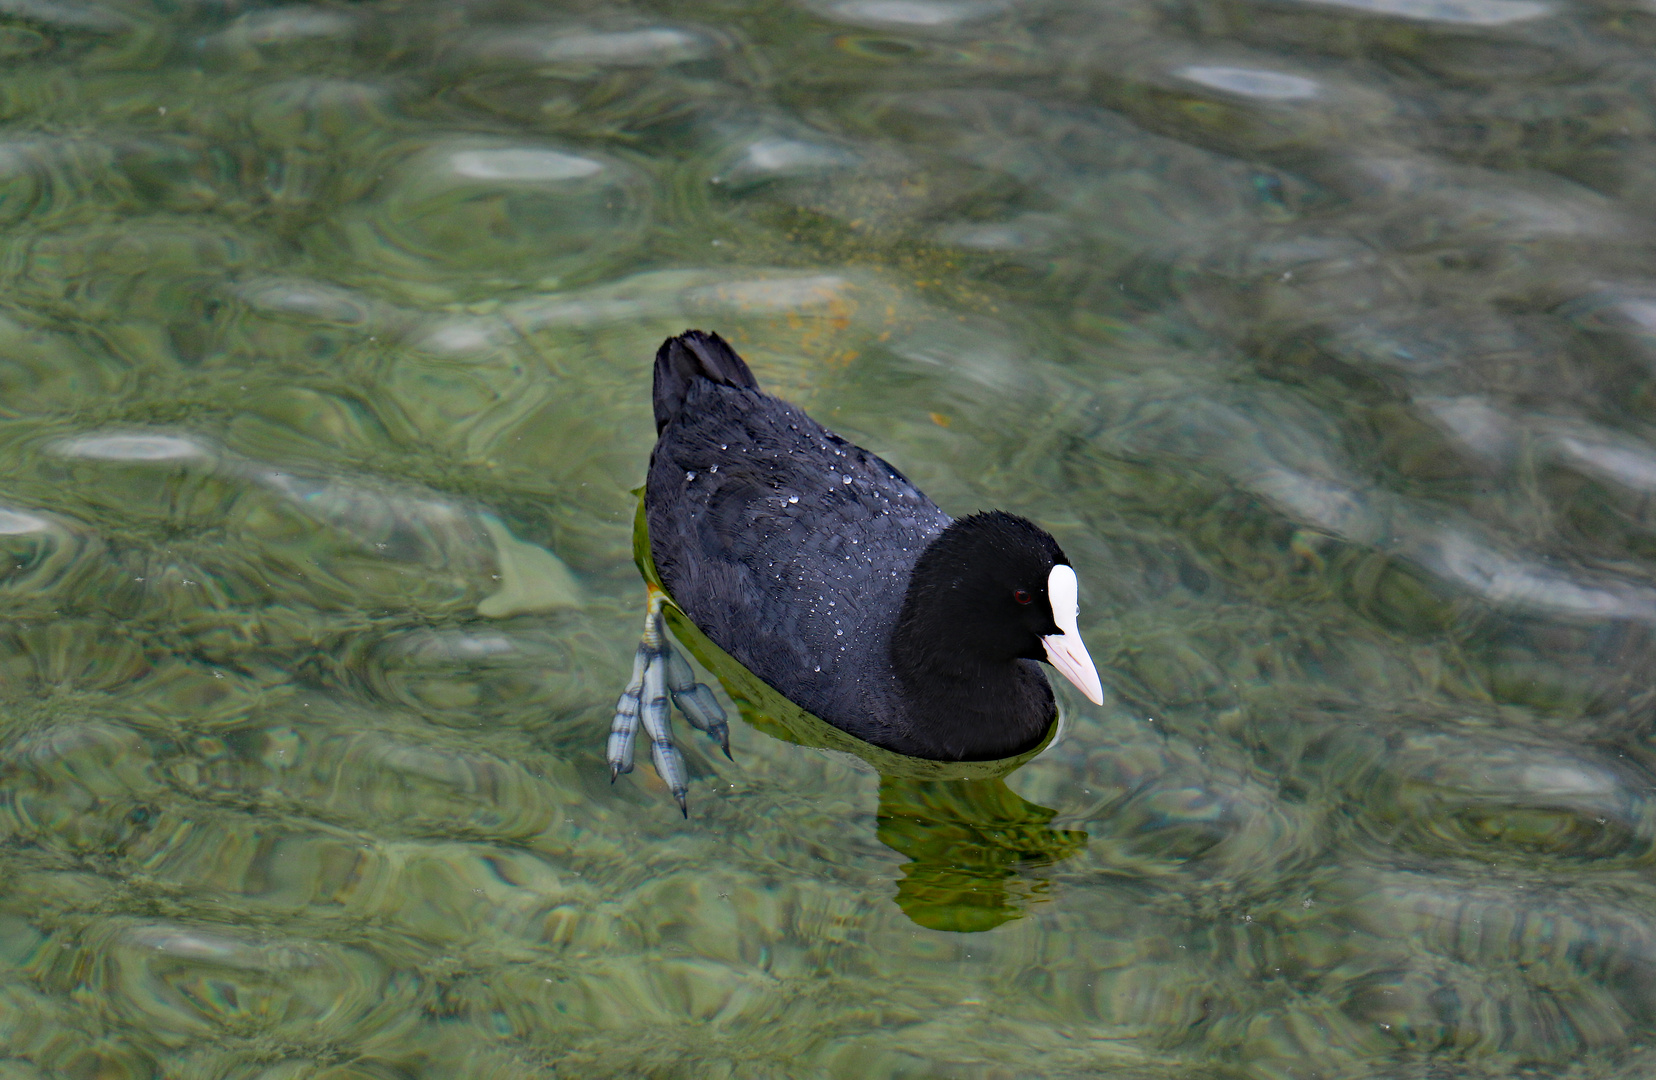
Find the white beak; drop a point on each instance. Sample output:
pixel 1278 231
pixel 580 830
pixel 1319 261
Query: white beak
pixel 1065 651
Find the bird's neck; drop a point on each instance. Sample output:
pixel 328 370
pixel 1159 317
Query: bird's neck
pixel 970 708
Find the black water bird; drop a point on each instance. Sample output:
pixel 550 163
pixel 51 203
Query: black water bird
pixel 825 572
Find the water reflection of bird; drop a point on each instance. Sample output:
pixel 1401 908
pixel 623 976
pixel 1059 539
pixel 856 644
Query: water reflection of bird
pixel 830 577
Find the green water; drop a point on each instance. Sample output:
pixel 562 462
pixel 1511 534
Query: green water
pixel 1322 334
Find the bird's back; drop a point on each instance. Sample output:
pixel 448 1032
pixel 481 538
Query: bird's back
pixel 788 546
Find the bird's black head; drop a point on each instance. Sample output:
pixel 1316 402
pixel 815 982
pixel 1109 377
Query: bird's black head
pixel 979 590
pixel 991 589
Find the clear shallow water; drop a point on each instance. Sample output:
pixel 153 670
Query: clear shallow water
pixel 1320 333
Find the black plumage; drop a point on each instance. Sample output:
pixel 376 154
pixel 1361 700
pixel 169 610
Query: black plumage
pixel 825 572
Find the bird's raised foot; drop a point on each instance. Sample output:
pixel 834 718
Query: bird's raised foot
pixel 659 671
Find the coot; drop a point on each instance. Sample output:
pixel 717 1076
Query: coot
pixel 826 573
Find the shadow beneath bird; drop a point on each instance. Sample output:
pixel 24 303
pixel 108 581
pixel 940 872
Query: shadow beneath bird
pixel 971 846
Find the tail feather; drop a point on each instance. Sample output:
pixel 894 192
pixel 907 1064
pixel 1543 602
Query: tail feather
pixel 694 354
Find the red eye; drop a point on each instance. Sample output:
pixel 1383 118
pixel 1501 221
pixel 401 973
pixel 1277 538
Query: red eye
pixel 1022 596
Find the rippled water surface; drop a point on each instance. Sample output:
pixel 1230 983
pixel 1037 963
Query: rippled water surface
pixel 1322 333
